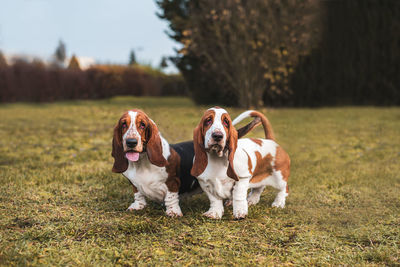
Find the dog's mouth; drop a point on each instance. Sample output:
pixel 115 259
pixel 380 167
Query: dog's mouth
pixel 132 155
pixel 217 148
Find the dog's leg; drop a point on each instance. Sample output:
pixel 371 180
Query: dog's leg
pixel 254 196
pixel 281 185
pixel 171 201
pixel 216 207
pixel 139 203
pixel 240 207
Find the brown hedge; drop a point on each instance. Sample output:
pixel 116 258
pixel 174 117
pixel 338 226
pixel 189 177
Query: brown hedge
pixel 34 82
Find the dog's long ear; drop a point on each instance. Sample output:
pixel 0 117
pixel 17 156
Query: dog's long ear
pixel 120 162
pixel 232 145
pixel 154 147
pixel 200 156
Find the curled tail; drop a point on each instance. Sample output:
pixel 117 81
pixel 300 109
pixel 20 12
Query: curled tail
pixel 258 118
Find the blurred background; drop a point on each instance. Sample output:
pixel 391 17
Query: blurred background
pixel 228 52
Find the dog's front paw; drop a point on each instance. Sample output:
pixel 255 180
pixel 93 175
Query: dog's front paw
pixel 213 214
pixel 240 209
pixel 238 215
pixel 174 212
pixel 136 206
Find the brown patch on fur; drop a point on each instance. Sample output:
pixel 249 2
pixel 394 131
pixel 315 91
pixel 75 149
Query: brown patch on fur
pixel 134 189
pixel 154 146
pixel 257 141
pixel 173 182
pixel 249 163
pixel 200 160
pixel 263 168
pixel 141 117
pixel 269 134
pixel 232 140
pixel 120 162
pixel 282 163
pixel 224 117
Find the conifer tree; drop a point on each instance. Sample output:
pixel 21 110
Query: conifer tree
pixel 74 63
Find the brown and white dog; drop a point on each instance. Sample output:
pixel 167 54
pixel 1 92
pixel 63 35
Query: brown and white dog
pixel 157 170
pixel 227 167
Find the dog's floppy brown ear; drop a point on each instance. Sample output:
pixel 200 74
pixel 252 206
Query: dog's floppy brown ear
pixel 200 156
pixel 154 147
pixel 120 162
pixel 232 145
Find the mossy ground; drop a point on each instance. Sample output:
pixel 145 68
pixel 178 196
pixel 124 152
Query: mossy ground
pixel 61 205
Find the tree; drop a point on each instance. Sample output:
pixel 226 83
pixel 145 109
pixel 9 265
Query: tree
pixel 74 63
pixel 3 62
pixel 357 60
pixel 132 58
pixel 163 63
pixel 241 49
pixel 60 53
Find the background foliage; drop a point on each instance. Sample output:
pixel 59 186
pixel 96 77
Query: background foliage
pixel 357 60
pixel 24 81
pixel 287 52
pixel 247 54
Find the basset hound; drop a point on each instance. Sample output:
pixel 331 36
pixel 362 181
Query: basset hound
pixel 227 167
pixel 157 170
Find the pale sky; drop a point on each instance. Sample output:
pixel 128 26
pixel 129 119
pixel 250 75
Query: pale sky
pixel 103 29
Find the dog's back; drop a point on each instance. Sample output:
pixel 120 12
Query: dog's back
pixel 185 150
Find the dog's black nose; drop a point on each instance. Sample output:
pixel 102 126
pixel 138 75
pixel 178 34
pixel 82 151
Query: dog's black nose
pixel 217 136
pixel 131 142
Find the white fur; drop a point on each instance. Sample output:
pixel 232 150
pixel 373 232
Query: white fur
pixel 242 116
pixel 172 203
pixel 240 198
pixel 132 130
pixel 149 179
pixel 139 203
pixel 165 148
pixel 215 127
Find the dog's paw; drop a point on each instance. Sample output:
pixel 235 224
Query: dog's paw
pixel 213 214
pixel 251 200
pixel 240 209
pixel 238 215
pixel 136 206
pixel 278 203
pixel 174 212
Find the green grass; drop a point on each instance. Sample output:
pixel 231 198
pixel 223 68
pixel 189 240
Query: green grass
pixel 61 205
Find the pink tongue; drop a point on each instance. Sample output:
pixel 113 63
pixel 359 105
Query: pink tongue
pixel 132 156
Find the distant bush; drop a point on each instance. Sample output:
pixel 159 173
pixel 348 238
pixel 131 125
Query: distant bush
pixel 287 52
pixel 235 52
pixel 24 81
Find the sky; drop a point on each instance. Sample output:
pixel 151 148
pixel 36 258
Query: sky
pixel 106 30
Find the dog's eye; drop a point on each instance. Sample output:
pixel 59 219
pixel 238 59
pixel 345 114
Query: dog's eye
pixel 142 125
pixel 124 125
pixel 226 123
pixel 208 121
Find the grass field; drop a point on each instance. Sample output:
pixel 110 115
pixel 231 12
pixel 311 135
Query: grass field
pixel 61 205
